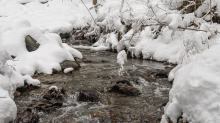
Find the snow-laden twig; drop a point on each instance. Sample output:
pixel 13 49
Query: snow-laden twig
pixel 164 24
pixel 89 11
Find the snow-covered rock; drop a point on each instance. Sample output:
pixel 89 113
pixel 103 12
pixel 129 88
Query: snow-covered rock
pixel 67 70
pixel 54 87
pixel 49 55
pixel 121 57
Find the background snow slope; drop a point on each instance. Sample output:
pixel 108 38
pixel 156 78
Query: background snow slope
pixel 55 16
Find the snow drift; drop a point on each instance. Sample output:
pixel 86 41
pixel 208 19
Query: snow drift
pixel 13 72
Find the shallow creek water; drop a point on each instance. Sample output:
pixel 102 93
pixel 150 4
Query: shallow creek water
pixel 97 72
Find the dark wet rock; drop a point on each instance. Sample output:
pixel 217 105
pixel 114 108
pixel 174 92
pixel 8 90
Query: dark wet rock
pixel 168 69
pixel 46 105
pixel 55 71
pixel 69 64
pixel 66 35
pixel 88 95
pixel 93 39
pixel 54 94
pixel 26 87
pixel 27 116
pixel 78 60
pixel 124 87
pixel 166 63
pixel 51 100
pixel 44 2
pixel 23 3
pixel 85 60
pixel 31 44
pixel 164 104
pixel 161 74
pixel 158 74
pixel 13 56
pixel 17 94
pixel 104 61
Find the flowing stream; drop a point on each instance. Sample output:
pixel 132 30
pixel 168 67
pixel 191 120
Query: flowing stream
pixel 98 70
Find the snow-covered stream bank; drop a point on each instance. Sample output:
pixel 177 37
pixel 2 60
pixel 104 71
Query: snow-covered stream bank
pixel 182 32
pixel 98 70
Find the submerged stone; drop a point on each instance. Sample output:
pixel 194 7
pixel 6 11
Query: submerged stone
pixel 54 94
pixel 47 105
pixel 66 35
pixel 161 74
pixel 52 99
pixel 55 71
pixel 88 95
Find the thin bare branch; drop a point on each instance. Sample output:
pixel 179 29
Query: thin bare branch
pixel 89 11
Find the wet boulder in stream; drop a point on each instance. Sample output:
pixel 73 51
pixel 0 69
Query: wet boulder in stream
pixel 124 87
pixel 53 98
pixel 88 95
pixel 54 93
pixel 65 35
pixel 158 73
pixel 69 64
pixel 161 74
